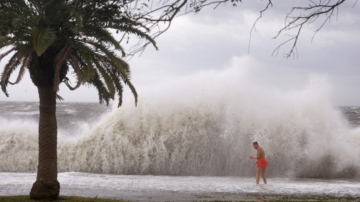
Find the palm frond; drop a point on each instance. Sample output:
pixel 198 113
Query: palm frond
pixel 13 62
pixel 137 32
pixel 125 75
pixel 7 53
pixel 75 29
pixel 42 39
pixel 107 79
pixel 77 70
pixel 119 88
pixel 85 56
pixel 109 54
pixel 133 90
pixel 126 21
pixel 104 35
pixel 25 64
pixel 61 57
pixel 88 71
pixel 99 85
pixel 5 41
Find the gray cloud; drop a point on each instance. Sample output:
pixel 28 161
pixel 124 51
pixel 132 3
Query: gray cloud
pixel 212 39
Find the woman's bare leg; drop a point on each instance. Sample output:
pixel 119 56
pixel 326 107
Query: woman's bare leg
pixel 258 175
pixel 263 174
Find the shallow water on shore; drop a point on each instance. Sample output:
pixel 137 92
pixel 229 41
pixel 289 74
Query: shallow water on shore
pixel 179 188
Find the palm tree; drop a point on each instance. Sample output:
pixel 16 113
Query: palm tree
pixel 51 37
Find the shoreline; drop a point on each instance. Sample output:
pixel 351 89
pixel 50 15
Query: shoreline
pixel 187 188
pixel 199 198
pixel 164 196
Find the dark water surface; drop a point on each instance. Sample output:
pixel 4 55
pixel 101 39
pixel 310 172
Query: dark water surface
pixel 69 114
pixel 352 114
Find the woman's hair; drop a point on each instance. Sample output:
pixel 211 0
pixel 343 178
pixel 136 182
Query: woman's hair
pixel 255 143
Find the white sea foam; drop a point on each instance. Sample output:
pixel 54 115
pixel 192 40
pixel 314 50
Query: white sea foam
pixel 18 146
pixel 178 188
pixel 204 124
pixel 70 111
pixel 26 113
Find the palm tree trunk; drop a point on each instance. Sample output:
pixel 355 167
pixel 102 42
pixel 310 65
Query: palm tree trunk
pixel 46 185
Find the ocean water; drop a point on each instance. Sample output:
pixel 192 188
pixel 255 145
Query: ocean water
pixel 193 138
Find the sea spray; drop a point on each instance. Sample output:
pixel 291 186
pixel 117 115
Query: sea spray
pixel 205 125
pixel 18 146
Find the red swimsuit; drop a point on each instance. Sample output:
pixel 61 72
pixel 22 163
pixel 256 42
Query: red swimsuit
pixel 262 163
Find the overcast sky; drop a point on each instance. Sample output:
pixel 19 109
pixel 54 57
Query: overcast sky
pixel 214 40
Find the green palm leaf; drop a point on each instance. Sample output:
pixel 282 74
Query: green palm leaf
pixel 107 79
pixel 88 70
pixel 42 39
pixel 5 41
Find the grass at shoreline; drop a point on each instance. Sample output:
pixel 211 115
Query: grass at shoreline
pixel 270 198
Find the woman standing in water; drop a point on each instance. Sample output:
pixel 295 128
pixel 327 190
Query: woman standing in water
pixel 261 162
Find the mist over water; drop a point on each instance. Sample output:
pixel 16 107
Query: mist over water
pixel 204 124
